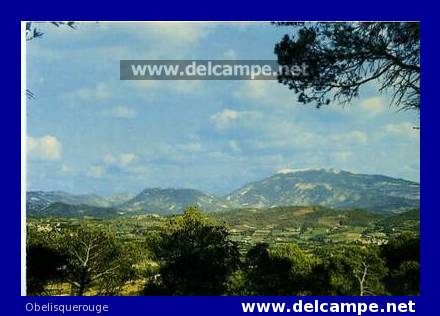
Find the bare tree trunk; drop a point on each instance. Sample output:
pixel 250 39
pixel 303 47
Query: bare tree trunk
pixel 82 282
pixel 362 278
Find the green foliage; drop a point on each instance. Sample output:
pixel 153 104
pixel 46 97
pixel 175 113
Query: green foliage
pixel 44 261
pixel 277 270
pixel 341 57
pixel 355 270
pixel 44 265
pixel 95 259
pixel 408 222
pixel 404 247
pixel 295 216
pixel 237 284
pixel 191 254
pixel 75 211
pixel 402 256
pixel 195 256
pixel 405 280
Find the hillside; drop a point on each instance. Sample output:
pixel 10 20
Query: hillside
pixel 296 216
pixel 310 187
pixel 312 227
pixel 172 201
pixel 59 209
pixel 331 188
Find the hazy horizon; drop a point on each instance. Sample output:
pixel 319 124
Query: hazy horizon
pixel 282 171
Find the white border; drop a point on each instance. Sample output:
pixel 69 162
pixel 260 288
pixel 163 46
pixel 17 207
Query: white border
pixel 23 158
pixel 24 123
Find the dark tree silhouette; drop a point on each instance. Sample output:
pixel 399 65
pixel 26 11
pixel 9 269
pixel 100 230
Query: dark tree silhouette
pixel 402 256
pixel 342 57
pixel 44 264
pixel 280 269
pixel 32 31
pixel 350 270
pixel 195 255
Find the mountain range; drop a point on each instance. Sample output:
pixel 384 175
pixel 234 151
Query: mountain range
pixel 37 200
pixel 289 187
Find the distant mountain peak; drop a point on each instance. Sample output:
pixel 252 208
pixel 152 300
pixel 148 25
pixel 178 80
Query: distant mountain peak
pixel 172 201
pixel 328 187
pixel 288 187
pixel 289 170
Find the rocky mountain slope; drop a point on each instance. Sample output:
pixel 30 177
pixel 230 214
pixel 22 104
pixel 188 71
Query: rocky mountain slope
pixel 310 187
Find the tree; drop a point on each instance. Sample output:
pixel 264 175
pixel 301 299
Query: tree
pixel 405 280
pixel 402 257
pixel 280 269
pixel 403 247
pixel 352 270
pixel 44 265
pixel 44 261
pixel 341 57
pixel 237 284
pixel 95 259
pixel 34 32
pixel 195 256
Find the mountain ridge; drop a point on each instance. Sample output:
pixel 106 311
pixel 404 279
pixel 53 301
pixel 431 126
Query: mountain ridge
pixel 331 188
pixel 288 187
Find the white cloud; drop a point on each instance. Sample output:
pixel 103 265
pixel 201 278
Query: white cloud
pixel 224 118
pixel 253 89
pixel 110 159
pixel 266 93
pixel 121 160
pixel 373 106
pixel 176 40
pixel 404 132
pixel 227 118
pixel 45 148
pixel 99 92
pixel 279 134
pixel 176 33
pixel 67 169
pixel 342 156
pixel 358 137
pixel 127 158
pixel 122 111
pixel 234 146
pixel 95 172
pixel 405 129
pixel 230 54
pixel 174 86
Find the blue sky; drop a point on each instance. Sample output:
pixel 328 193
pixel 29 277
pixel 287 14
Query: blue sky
pixel 89 132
